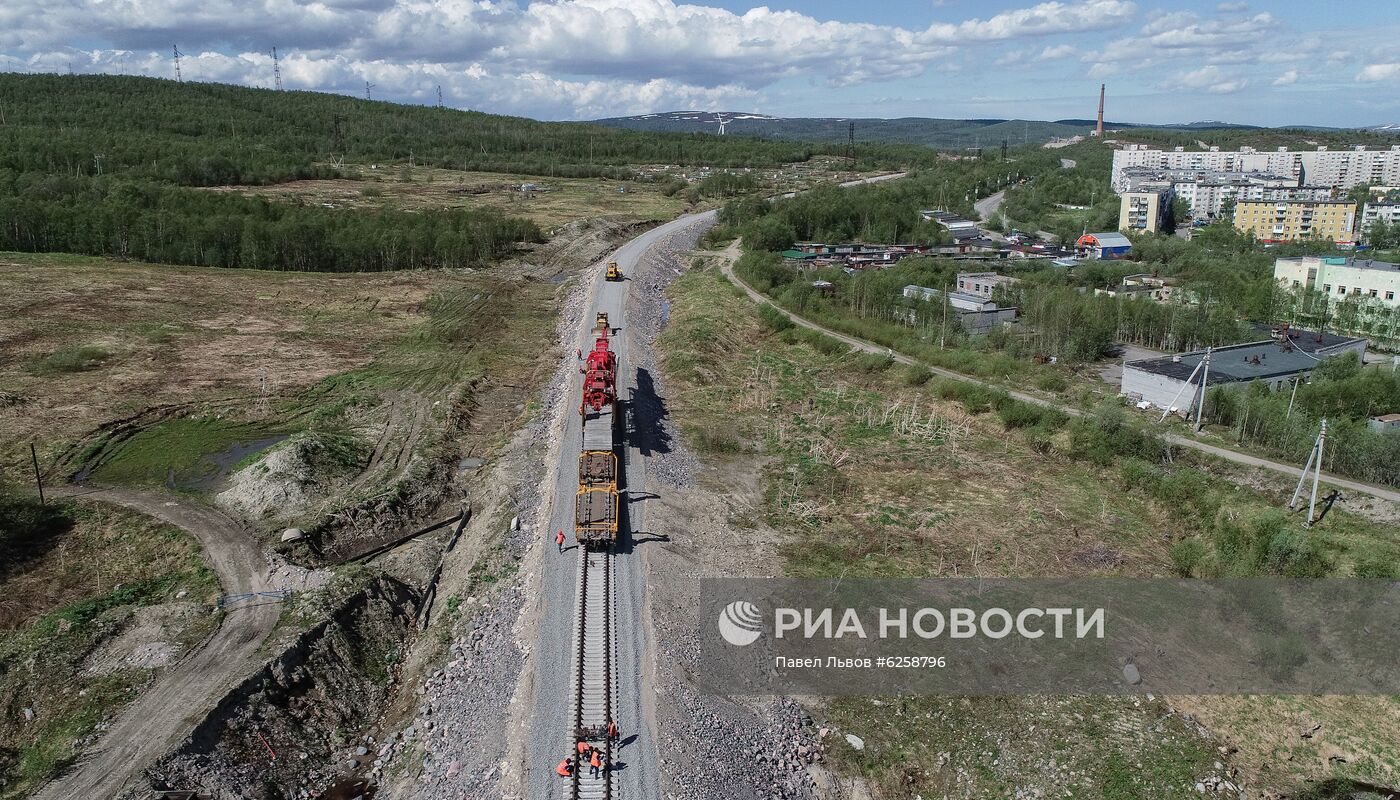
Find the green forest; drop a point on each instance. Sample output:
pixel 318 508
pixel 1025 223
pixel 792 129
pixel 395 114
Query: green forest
pixel 113 165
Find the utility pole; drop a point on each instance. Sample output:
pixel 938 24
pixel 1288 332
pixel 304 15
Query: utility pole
pixel 178 77
pixel 1292 396
pixel 851 140
pixel 439 88
pixel 276 70
pixel 1205 378
pixel 38 479
pixel 1314 464
pixel 368 86
pixel 1003 149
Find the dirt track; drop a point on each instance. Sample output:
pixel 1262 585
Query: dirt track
pixel 167 711
pixel 1220 452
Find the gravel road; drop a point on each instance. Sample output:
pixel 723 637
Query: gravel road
pixel 169 710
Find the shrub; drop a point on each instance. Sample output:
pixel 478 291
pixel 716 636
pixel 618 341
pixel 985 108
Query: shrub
pixel 1187 556
pixel 774 319
pixel 871 363
pixel 1052 382
pixel 917 375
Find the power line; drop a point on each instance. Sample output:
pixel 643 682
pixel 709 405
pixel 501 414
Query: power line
pixel 276 70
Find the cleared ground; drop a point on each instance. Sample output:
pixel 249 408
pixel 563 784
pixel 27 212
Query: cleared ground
pixel 865 471
pixel 549 201
pixel 94 608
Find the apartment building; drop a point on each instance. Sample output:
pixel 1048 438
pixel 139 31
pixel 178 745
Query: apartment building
pixel 1389 213
pixel 1341 278
pixel 1290 220
pixel 1145 210
pixel 1341 169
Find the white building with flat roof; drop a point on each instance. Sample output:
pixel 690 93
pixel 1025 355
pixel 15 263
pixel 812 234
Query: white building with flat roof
pixel 1340 278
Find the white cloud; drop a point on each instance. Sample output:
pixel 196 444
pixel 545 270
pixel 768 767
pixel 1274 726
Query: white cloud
pixel 1211 78
pixel 1232 8
pixel 1379 72
pixel 1058 51
pixel 1287 79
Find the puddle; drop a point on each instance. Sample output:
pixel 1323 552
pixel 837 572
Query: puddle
pixel 665 312
pixel 558 278
pixel 211 470
pixel 470 463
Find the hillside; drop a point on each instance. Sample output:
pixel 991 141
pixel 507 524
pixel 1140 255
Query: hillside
pixel 940 133
pixel 967 133
pixel 205 133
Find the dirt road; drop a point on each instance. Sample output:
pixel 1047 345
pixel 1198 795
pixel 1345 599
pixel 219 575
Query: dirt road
pixel 167 711
pixel 1229 455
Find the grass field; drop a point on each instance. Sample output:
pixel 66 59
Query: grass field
pixel 552 201
pixel 86 341
pixel 869 471
pixel 88 595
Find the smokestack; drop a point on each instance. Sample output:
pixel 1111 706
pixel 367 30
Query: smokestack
pixel 1099 130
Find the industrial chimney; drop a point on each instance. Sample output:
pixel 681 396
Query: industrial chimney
pixel 1099 131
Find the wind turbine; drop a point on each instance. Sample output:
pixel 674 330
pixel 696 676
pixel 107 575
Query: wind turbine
pixel 722 123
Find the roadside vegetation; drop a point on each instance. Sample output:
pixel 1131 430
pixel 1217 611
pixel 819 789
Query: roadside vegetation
pixel 876 470
pixel 96 601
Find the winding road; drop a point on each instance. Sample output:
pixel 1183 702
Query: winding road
pixel 1227 454
pixel 186 692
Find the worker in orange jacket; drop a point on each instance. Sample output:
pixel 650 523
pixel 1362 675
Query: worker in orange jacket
pixel 612 730
pixel 566 767
pixel 595 764
pixel 584 749
pixel 559 539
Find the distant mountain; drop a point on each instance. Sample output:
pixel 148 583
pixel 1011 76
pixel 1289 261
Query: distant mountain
pixel 949 133
pixel 933 132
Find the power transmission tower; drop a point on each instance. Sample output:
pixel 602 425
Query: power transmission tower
pixel 851 140
pixel 276 70
pixel 439 95
pixel 178 77
pixel 368 86
pixel 1314 464
pixel 1003 149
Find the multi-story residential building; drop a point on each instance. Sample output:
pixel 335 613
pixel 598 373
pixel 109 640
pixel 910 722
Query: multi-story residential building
pixel 1341 169
pixel 1290 220
pixel 1145 209
pixel 1389 213
pixel 1340 278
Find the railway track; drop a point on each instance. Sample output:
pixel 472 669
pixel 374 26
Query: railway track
pixel 594 695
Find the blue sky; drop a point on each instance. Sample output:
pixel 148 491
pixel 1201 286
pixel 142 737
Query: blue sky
pixel 1271 63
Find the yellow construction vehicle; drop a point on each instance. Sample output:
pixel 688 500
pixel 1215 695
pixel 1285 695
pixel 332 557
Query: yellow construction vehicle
pixel 601 324
pixel 614 272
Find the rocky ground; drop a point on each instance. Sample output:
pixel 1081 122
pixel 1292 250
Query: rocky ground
pixel 455 744
pixel 710 747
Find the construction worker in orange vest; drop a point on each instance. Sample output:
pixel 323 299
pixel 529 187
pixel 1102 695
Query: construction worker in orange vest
pixel 566 767
pixel 595 764
pixel 612 729
pixel 559 539
pixel 583 750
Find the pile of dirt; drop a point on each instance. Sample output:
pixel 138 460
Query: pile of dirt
pixel 307 718
pixel 280 485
